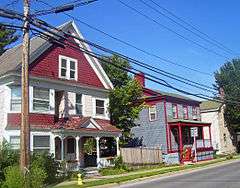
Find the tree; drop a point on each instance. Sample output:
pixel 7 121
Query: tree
pixel 228 79
pixel 117 76
pixel 7 36
pixel 124 106
pixel 125 99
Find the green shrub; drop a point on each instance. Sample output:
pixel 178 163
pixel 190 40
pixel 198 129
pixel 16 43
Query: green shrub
pixel 37 176
pixel 8 157
pixel 48 164
pixel 119 164
pixel 230 156
pixel 13 178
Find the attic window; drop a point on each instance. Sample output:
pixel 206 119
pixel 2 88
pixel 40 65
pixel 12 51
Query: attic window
pixel 67 68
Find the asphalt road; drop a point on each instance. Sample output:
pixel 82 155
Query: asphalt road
pixel 224 176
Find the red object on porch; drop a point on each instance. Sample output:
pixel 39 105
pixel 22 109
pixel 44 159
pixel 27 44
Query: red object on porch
pixel 184 142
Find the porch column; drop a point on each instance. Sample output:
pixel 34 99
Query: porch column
pixel 203 137
pixel 98 151
pixel 180 141
pixel 77 149
pixel 62 148
pixel 52 145
pixel 210 135
pixel 118 149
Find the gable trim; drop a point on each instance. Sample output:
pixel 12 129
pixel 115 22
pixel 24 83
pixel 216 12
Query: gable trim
pixel 94 62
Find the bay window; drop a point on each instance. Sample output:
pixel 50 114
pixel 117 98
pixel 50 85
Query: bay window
pixel 67 68
pixel 41 99
pixel 152 113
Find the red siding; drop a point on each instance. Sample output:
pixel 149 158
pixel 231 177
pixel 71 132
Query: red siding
pixel 14 119
pixel 47 66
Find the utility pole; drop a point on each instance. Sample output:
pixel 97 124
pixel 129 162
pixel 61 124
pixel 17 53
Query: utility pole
pixel 25 127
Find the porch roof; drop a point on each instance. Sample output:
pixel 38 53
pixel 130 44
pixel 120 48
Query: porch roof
pixel 76 124
pixel 185 122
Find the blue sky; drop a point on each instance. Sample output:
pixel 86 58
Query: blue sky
pixel 219 19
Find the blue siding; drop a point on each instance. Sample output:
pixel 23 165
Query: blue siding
pixel 152 133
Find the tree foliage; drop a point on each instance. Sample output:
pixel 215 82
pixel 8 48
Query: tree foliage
pixel 117 76
pixel 124 105
pixel 7 36
pixel 228 78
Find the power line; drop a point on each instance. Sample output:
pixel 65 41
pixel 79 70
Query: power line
pixel 131 45
pixel 184 27
pixel 145 65
pixel 192 26
pixel 58 9
pixel 135 71
pixel 132 71
pixel 172 31
pixel 136 62
pixel 140 63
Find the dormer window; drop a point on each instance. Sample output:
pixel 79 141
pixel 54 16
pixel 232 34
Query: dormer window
pixel 67 68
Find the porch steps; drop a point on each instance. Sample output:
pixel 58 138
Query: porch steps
pixel 91 172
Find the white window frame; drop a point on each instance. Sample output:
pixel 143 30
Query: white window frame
pixel 41 148
pixel 45 100
pixel 105 116
pixel 15 147
pixel 174 106
pixel 78 103
pixel 68 69
pixel 18 98
pixel 194 113
pixel 152 112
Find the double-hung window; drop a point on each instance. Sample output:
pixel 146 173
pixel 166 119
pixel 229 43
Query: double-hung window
pixel 174 111
pixel 41 143
pixel 15 142
pixel 100 107
pixel 152 113
pixel 41 99
pixel 16 98
pixel 78 104
pixel 67 68
pixel 194 112
pixel 185 112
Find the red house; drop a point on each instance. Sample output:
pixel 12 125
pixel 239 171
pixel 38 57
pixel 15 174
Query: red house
pixel 68 102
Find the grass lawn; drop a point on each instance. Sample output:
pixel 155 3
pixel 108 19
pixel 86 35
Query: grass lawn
pixel 141 174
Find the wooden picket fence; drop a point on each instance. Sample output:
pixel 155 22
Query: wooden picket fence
pixel 139 156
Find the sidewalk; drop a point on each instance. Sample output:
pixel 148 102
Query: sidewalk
pixel 143 174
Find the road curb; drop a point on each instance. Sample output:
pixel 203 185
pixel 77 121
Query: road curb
pixel 170 174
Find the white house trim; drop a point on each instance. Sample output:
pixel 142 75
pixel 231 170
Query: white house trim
pixel 94 64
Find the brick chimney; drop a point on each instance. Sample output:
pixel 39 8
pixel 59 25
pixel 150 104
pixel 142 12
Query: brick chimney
pixel 140 77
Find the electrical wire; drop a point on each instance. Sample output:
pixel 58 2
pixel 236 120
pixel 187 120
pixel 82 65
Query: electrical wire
pixel 131 45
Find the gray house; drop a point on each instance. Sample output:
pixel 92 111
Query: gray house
pixel 167 123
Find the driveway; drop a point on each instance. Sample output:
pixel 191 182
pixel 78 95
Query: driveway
pixel 224 176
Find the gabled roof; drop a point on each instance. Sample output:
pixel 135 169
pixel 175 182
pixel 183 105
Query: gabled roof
pixel 209 105
pixel 10 61
pixel 156 93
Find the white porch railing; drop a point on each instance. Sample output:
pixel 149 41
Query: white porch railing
pixel 206 143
